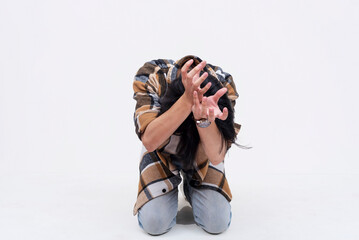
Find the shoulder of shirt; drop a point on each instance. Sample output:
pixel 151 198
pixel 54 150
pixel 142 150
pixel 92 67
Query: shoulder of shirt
pixel 162 63
pixel 153 67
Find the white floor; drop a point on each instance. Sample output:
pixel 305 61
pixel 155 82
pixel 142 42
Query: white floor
pixel 83 206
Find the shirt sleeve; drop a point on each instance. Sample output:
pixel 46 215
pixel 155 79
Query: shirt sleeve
pixel 146 87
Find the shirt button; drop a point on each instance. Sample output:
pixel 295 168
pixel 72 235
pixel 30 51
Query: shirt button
pixel 164 190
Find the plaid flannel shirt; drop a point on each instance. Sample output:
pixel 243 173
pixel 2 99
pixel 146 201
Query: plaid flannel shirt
pixel 158 175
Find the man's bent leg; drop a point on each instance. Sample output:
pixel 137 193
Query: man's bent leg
pixel 158 215
pixel 211 210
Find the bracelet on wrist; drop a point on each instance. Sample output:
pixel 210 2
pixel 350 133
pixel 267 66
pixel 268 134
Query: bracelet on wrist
pixel 203 122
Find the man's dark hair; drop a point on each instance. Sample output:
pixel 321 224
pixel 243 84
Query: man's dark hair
pixel 189 137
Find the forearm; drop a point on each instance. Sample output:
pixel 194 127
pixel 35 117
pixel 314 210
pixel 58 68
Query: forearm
pixel 213 144
pixel 160 129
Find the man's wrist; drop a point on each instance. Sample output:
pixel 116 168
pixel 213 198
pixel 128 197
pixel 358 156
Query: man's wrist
pixel 186 101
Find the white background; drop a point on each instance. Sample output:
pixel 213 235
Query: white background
pixel 68 150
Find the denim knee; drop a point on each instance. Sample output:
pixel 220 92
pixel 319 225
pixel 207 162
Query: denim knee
pixel 211 210
pixel 158 216
pixel 217 221
pixel 155 224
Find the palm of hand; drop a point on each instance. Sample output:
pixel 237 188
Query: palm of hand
pixel 212 103
pixel 203 107
pixel 208 107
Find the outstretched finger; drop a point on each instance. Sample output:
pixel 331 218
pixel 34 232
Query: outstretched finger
pixel 200 80
pixel 197 69
pixel 204 106
pixel 219 94
pixel 196 100
pixel 211 116
pixel 223 116
pixel 202 91
pixel 184 69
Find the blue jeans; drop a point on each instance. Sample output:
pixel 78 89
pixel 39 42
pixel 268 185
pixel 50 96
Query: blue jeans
pixel 211 211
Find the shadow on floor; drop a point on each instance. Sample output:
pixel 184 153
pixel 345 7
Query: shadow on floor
pixel 185 216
